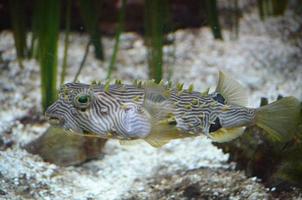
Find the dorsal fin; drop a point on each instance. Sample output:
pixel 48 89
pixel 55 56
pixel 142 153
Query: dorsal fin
pixel 231 90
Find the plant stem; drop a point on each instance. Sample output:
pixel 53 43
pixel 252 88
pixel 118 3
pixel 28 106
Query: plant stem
pixel 66 41
pixel 279 7
pixel 47 34
pixel 154 24
pixel 260 9
pixel 235 19
pixel 120 27
pixel 82 62
pixel 90 18
pixel 17 11
pixel 214 18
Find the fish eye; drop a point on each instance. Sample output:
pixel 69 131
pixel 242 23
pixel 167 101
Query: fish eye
pixel 82 101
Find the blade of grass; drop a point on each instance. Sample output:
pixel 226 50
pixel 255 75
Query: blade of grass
pixel 17 11
pixel 267 8
pixel 34 29
pixel 168 28
pixel 235 20
pixel 261 9
pixel 270 7
pixel 120 27
pixel 154 15
pixel 66 41
pixel 213 16
pixel 279 7
pixel 82 62
pixel 47 34
pixel 90 19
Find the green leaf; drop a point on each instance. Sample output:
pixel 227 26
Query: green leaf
pixel 90 19
pixel 66 41
pixel 155 18
pixel 213 15
pixel 48 18
pixel 18 18
pixel 120 27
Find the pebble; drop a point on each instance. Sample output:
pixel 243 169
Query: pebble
pixel 2 192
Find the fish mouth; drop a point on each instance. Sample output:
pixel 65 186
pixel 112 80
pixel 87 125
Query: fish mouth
pixel 54 120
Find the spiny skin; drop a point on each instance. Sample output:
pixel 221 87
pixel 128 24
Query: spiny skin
pixel 116 111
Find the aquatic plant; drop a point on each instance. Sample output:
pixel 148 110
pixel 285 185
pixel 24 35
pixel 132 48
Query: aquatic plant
pixel 82 62
pixel 90 19
pixel 269 8
pixel 45 27
pixel 66 41
pixel 18 17
pixel 154 36
pixel 213 17
pixel 120 27
pixel 48 19
pixel 235 19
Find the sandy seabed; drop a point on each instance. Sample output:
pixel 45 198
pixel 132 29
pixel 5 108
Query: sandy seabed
pixel 190 168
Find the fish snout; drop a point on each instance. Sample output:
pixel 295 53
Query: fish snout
pixel 53 118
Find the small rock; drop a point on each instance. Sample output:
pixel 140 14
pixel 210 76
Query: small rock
pixel 192 191
pixel 1 144
pixel 2 192
pixel 22 189
pixel 71 150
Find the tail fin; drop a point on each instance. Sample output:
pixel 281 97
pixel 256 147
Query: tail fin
pixel 280 118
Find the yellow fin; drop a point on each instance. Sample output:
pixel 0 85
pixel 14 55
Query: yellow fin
pixel 226 135
pixel 231 90
pixel 130 142
pixel 280 119
pixel 156 143
pixel 163 134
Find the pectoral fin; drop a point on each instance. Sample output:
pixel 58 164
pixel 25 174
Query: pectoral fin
pixel 226 135
pixel 160 112
pixel 156 101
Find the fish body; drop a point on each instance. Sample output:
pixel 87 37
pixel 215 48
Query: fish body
pixel 158 113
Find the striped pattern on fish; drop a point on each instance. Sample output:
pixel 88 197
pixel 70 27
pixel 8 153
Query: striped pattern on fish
pixel 137 111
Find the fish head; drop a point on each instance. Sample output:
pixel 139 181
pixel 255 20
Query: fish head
pixel 75 109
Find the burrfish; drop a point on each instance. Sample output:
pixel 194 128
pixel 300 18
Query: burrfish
pixel 158 113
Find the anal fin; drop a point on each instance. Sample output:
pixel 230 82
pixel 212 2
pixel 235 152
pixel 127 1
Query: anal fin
pixel 163 134
pixel 226 135
pixel 130 142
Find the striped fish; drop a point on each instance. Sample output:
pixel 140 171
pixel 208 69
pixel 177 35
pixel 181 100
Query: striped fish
pixel 160 112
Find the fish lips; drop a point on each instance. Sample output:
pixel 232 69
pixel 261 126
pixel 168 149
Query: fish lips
pixel 55 120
